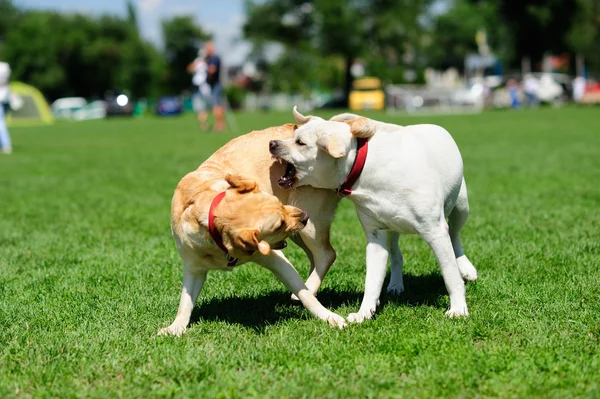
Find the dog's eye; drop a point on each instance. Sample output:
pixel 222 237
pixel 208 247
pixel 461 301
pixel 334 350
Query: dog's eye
pixel 300 142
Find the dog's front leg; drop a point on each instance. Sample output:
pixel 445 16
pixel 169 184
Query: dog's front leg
pixel 378 242
pixel 193 280
pixel 287 274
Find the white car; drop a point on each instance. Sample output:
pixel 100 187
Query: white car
pixel 77 108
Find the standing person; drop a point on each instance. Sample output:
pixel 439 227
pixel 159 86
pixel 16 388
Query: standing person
pixel 513 92
pixel 578 88
pixel 216 90
pixel 5 143
pixel 531 87
pixel 201 98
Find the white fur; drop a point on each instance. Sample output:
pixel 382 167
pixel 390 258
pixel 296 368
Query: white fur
pixel 412 181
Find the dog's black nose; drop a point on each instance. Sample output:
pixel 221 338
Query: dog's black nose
pixel 304 218
pixel 273 144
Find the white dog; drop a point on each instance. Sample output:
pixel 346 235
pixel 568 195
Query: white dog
pixel 401 180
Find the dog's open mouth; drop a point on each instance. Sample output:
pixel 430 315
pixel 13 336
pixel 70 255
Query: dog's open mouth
pixel 289 178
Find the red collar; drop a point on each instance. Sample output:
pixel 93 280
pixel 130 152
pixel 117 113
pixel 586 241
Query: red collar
pixel 213 229
pixel 362 147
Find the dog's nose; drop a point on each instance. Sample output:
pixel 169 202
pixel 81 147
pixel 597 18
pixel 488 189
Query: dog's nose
pixel 273 144
pixel 304 218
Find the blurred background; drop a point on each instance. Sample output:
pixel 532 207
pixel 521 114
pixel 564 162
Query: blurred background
pixel 85 60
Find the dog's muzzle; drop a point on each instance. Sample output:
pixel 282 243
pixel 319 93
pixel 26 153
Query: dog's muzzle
pixel 274 147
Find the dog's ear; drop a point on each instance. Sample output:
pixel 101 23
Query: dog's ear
pixel 301 119
pixel 362 128
pixel 241 184
pixel 333 145
pixel 247 241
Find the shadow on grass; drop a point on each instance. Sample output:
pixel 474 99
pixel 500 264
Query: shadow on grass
pixel 258 312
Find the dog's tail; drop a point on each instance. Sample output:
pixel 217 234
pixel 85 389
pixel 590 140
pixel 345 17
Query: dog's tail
pixel 344 117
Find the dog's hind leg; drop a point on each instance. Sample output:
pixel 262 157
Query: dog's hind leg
pixel 456 221
pixel 396 285
pixel 436 235
pixel 315 238
pixel 320 205
pixel 193 280
pixel 298 240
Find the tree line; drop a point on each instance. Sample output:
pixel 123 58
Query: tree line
pixel 78 55
pixel 393 37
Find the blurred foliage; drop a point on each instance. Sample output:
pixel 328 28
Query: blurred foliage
pixel 451 36
pixel 584 36
pixel 75 55
pixel 334 30
pixel 182 37
pixel 235 96
pixel 80 55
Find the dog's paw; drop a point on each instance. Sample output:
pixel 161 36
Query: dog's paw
pixel 361 315
pixel 295 298
pixel 395 289
pixel 457 312
pixel 467 270
pixel 174 330
pixel 335 320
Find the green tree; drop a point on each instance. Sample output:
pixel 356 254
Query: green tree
pixel 452 34
pixel 75 55
pixel 301 71
pixel 8 15
pixel 584 36
pixel 182 37
pixel 537 27
pixel 344 29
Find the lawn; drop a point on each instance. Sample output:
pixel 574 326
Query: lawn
pixel 89 273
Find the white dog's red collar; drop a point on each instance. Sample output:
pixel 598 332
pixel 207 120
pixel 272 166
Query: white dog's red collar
pixel 362 148
pixel 231 261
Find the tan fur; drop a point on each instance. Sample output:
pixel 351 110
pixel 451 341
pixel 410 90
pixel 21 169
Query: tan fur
pixel 362 128
pixel 245 166
pixel 251 218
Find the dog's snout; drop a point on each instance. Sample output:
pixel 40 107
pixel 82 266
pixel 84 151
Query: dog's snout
pixel 304 218
pixel 273 144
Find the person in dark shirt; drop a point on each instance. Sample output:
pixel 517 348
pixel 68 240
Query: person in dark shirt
pixel 214 82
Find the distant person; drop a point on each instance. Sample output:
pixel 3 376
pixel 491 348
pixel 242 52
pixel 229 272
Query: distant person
pixel 216 90
pixel 578 88
pixel 201 99
pixel 531 87
pixel 5 143
pixel 513 92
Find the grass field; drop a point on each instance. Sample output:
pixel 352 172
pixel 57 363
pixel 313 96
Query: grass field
pixel 89 273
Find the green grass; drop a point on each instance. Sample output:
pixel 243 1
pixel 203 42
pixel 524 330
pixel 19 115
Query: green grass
pixel 89 273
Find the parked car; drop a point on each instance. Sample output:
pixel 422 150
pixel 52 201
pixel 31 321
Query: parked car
pixel 118 104
pixel 367 93
pixel 169 105
pixel 77 108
